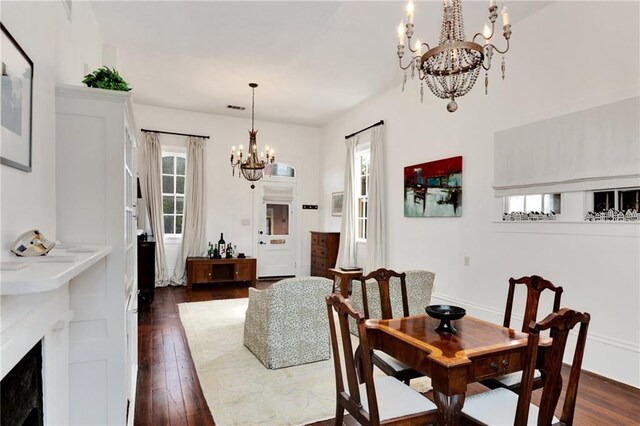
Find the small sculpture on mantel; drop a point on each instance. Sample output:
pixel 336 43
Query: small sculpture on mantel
pixel 32 243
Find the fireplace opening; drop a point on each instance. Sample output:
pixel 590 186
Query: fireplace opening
pixel 21 391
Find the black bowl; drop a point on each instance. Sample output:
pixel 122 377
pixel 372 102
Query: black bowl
pixel 446 314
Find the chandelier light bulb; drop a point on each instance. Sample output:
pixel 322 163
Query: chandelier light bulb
pixel 233 149
pixel 241 148
pixel 486 33
pixel 410 9
pixel 505 16
pixel 418 48
pixel 400 33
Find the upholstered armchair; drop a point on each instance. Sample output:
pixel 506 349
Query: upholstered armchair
pixel 419 288
pixel 286 324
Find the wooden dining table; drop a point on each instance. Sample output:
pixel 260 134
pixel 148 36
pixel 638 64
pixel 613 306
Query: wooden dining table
pixel 478 350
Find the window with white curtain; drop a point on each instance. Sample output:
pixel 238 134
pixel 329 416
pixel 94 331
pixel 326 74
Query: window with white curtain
pixel 173 180
pixel 363 155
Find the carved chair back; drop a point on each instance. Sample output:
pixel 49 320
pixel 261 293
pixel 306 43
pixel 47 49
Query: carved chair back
pixel 350 400
pixel 535 285
pixel 559 323
pixel 382 277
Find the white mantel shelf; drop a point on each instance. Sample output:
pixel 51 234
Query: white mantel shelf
pixel 41 276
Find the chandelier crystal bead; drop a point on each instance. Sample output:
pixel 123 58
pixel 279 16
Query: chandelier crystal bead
pixel 451 69
pixel 251 168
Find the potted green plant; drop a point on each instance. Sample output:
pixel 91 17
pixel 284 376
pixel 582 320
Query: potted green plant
pixel 106 78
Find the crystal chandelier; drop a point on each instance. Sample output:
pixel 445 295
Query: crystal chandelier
pixel 451 68
pixel 252 169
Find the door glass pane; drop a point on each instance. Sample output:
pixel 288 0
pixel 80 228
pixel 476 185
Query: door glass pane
pixel 277 219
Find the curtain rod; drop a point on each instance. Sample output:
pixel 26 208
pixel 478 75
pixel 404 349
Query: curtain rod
pixel 379 123
pixel 174 133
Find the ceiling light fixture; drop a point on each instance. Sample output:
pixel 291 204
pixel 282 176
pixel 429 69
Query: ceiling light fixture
pixel 451 68
pixel 252 169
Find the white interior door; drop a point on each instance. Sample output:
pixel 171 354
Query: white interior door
pixel 276 230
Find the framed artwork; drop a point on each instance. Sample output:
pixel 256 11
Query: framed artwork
pixel 336 203
pixel 433 189
pixel 16 94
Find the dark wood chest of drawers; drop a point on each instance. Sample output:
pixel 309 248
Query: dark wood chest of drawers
pixel 324 251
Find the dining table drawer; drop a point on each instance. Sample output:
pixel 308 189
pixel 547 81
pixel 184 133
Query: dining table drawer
pixel 495 365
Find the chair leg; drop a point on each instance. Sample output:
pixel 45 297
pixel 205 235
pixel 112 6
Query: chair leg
pixel 339 415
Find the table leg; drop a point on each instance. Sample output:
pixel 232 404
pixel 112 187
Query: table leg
pixel 449 408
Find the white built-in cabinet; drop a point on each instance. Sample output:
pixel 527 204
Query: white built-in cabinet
pixel 96 204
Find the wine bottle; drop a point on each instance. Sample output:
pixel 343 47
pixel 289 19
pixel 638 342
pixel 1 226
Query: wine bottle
pixel 210 251
pixel 221 246
pixel 215 254
pixel 229 251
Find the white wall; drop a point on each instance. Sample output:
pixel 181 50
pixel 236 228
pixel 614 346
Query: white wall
pixel 596 264
pixel 59 50
pixel 230 200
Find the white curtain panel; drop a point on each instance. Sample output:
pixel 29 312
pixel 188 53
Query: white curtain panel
pixel 194 223
pixel 152 188
pixel 376 229
pixel 347 249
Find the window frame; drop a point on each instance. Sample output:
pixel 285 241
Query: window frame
pixel 173 194
pixel 616 198
pixel 362 220
pixel 557 211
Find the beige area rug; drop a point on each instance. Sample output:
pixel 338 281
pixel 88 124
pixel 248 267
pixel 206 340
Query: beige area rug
pixel 238 388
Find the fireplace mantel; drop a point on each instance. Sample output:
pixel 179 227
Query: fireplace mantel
pixel 34 306
pixel 45 274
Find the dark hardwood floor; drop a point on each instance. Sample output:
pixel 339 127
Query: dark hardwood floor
pixel 169 391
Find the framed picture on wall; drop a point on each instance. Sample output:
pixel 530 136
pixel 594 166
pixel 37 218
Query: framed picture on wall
pixel 336 203
pixel 16 95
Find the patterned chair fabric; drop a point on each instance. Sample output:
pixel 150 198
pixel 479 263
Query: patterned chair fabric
pixel 286 324
pixel 419 289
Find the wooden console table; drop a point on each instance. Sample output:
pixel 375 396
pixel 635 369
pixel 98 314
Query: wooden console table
pixel 202 270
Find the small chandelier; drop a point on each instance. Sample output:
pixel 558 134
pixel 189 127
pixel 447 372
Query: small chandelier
pixel 252 169
pixel 451 68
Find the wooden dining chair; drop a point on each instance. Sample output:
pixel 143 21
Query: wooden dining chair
pixel 388 364
pixel 502 407
pixel 535 285
pixel 371 401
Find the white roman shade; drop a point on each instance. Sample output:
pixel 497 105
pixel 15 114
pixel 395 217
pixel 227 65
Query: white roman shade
pixel 277 193
pixel 596 148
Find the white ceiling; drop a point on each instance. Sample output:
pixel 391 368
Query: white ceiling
pixel 312 60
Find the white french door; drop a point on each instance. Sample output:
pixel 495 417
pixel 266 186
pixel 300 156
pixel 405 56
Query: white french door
pixel 276 230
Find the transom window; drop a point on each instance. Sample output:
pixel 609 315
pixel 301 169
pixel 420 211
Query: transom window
pixel 362 193
pixel 617 199
pixel 173 180
pixel 541 203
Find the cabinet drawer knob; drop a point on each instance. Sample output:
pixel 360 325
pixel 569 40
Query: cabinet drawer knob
pixel 494 365
pixel 505 363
